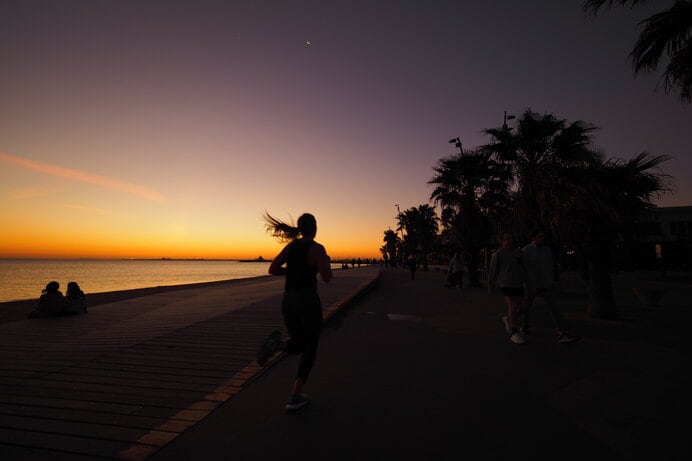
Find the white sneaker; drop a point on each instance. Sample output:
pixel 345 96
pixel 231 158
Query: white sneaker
pixel 505 320
pixel 296 402
pixel 517 338
pixel 565 338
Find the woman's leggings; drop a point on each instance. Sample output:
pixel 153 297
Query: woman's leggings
pixel 302 313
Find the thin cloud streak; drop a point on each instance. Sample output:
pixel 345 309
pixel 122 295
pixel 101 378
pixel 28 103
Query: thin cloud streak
pixel 33 192
pixel 88 209
pixel 82 176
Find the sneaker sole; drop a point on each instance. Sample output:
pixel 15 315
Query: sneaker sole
pixel 268 348
pixel 570 340
pixel 296 406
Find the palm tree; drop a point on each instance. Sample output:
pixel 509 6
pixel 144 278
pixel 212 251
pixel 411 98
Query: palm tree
pixel 668 32
pixel 391 245
pixel 426 228
pixel 420 225
pixel 562 185
pixel 606 203
pixel 405 225
pixel 538 152
pixel 472 189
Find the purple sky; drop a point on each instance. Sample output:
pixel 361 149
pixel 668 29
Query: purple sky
pixel 342 108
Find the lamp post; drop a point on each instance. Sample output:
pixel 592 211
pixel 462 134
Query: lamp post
pixel 457 143
pixel 507 117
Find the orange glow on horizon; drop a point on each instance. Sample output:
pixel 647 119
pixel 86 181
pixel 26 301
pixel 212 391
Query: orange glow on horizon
pixel 34 251
pixel 34 244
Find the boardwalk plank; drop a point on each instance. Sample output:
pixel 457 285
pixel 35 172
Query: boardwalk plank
pixel 15 453
pixel 62 443
pixel 96 417
pixel 177 400
pixel 67 404
pixel 82 430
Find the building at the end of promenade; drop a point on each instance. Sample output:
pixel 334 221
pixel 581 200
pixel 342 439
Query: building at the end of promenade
pixel 661 239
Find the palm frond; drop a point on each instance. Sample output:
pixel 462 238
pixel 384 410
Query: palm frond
pixel 678 74
pixel 595 5
pixel 667 31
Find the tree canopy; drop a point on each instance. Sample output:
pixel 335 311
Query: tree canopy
pixel 667 34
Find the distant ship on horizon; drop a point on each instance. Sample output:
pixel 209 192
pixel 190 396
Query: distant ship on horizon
pixel 259 259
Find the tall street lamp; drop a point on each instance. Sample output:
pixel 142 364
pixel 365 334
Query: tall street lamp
pixel 457 143
pixel 507 117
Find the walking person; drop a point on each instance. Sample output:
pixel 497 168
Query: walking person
pixel 455 272
pixel 539 262
pixel 300 261
pixel 508 272
pixel 412 264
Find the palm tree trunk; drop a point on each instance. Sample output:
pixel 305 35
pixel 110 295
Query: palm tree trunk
pixel 473 261
pixel 601 300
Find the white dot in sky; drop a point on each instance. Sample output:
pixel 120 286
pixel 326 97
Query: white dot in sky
pixel 308 42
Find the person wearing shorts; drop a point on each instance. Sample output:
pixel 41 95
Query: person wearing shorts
pixel 507 272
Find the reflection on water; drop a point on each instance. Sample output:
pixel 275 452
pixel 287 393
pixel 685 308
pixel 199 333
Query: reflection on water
pixel 24 279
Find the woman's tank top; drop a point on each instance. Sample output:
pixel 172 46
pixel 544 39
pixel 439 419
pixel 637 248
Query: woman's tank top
pixel 299 274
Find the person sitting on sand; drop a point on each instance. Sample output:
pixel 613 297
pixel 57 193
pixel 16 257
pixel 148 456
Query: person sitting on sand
pixel 75 301
pixel 50 303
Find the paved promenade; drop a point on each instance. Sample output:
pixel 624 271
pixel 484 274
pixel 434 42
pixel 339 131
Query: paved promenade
pixel 410 371
pixel 131 376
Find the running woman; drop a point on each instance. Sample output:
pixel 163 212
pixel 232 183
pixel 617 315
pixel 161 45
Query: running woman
pixel 300 261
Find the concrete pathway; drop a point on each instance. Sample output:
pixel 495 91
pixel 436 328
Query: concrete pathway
pixel 416 371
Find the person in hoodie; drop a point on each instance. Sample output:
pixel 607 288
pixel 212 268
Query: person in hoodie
pixel 538 258
pixel 508 272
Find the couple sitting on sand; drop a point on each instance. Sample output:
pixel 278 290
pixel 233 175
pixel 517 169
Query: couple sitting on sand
pixel 53 304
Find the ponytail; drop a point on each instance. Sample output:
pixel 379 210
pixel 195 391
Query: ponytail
pixel 307 227
pixel 279 229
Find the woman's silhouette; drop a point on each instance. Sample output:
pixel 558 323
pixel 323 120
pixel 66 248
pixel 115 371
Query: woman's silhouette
pixel 300 261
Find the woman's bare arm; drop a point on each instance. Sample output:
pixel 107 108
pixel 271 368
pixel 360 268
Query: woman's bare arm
pixel 318 257
pixel 276 267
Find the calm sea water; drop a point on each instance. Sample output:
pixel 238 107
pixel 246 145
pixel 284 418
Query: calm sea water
pixel 24 279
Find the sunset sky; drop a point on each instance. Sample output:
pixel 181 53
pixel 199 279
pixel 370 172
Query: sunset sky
pixel 166 128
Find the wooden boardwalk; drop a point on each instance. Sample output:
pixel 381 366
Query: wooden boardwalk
pixel 129 377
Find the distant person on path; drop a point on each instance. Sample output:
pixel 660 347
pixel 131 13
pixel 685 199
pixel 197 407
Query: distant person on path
pixel 508 272
pixel 455 271
pixel 539 262
pixel 75 300
pixel 51 302
pixel 300 261
pixel 412 266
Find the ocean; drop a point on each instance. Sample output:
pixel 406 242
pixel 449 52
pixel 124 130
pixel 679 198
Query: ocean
pixel 25 278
